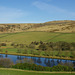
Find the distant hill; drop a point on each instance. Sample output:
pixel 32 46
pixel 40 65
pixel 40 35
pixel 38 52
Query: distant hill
pixel 52 26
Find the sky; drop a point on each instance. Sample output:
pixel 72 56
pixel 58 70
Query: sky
pixel 36 11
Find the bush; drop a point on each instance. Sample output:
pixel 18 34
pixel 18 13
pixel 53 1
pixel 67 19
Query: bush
pixel 26 66
pixel 3 44
pixel 5 62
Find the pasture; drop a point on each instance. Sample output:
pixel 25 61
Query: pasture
pixel 22 72
pixel 28 37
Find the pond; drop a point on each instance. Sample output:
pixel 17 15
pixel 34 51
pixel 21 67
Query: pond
pixel 38 60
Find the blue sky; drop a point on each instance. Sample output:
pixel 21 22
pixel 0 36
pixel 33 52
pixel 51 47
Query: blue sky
pixel 36 11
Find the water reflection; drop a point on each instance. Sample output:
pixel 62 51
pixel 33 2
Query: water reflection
pixel 19 57
pixel 74 63
pixel 58 61
pixel 6 55
pixel 37 60
pixel 48 63
pixel 1 56
pixel 34 60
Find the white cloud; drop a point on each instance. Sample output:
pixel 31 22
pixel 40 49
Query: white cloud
pixel 10 14
pixel 47 7
pixel 52 9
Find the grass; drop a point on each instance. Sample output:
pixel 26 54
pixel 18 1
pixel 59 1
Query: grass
pixel 22 72
pixel 28 37
pixel 67 37
pixel 52 54
pixel 12 50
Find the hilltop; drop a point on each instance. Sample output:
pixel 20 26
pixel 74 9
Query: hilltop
pixel 51 26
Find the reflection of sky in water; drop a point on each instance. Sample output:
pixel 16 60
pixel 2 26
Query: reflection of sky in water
pixel 39 61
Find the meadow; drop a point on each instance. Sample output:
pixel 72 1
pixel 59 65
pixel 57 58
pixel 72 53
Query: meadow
pixel 21 72
pixel 28 37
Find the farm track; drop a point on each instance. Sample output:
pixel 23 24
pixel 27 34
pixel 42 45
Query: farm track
pixel 54 37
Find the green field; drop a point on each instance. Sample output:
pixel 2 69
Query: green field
pixel 20 72
pixel 28 37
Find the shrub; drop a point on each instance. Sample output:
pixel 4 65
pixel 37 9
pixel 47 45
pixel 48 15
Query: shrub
pixel 27 66
pixel 3 44
pixel 5 62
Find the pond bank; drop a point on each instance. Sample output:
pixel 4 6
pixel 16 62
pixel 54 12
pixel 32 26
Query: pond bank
pixel 53 57
pixel 12 69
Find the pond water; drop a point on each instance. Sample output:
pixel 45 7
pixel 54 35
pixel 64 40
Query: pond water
pixel 38 60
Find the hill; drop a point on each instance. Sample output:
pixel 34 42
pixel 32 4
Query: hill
pixel 52 26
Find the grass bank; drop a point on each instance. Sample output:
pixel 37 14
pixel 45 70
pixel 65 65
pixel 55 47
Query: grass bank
pixel 9 71
pixel 53 57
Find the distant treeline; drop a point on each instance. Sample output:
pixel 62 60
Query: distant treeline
pixel 55 45
pixel 60 49
pixel 63 46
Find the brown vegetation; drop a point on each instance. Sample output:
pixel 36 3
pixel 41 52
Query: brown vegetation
pixel 52 26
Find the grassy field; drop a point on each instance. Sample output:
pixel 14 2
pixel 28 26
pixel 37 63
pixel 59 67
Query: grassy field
pixel 28 37
pixel 14 51
pixel 20 72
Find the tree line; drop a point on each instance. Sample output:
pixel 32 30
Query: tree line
pixel 64 49
pixel 27 65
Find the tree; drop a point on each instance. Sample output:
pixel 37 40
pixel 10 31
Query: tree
pixel 47 53
pixel 25 51
pixel 6 51
pixel 73 45
pixel 6 62
pixel 43 47
pixel 19 51
pixel 73 54
pixel 32 46
pixel 63 45
pixel 39 52
pixel 41 42
pixel 3 44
